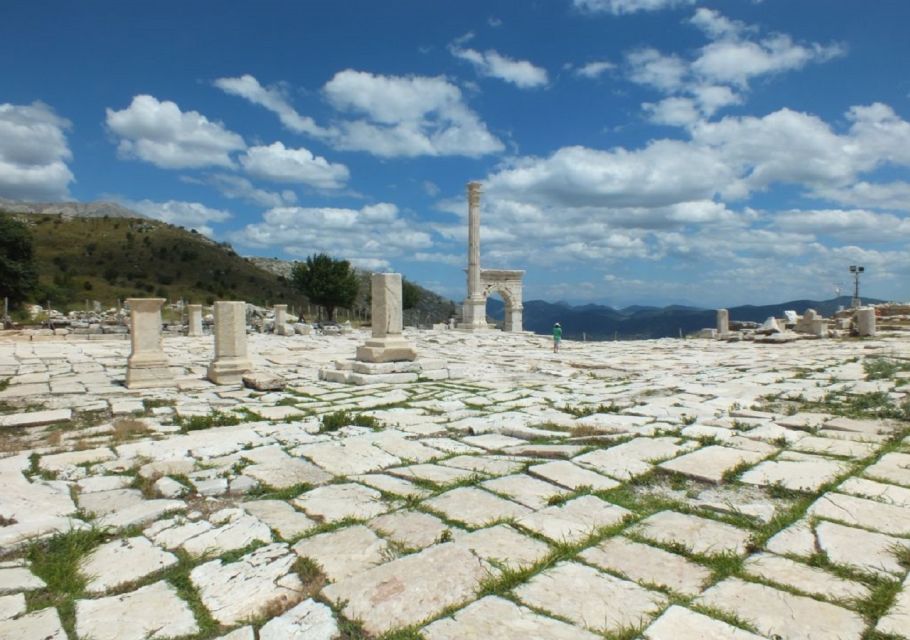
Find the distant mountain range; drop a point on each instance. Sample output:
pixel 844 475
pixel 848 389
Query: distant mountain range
pixel 96 209
pixel 599 322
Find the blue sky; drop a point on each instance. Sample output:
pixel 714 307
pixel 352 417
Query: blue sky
pixel 632 151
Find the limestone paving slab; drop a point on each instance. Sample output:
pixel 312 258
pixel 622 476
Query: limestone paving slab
pixel 698 535
pixel 391 484
pixel 891 467
pixel 104 502
pixel 15 579
pixel 524 489
pixel 896 620
pixel 835 447
pixel 644 563
pixel 280 517
pixel 475 507
pixel 237 531
pixel 495 618
pixel 287 473
pixel 153 611
pixel 863 550
pixel 879 491
pixel 123 561
pixel 484 464
pixel 237 591
pixel 413 529
pixel 410 589
pixel 435 473
pixel 810 580
pixel 776 612
pixel 44 625
pixel 12 606
pixel 492 441
pixel 679 623
pixel 571 476
pixel 339 501
pixel 574 520
pixel 711 463
pixel 799 472
pixel 140 513
pixel 344 552
pixel 861 512
pixel 597 601
pixel 309 620
pixel 502 545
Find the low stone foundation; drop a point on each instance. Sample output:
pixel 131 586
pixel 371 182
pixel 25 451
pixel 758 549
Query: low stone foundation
pixel 361 373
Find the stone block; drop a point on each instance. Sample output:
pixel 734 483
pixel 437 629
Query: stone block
pixel 231 361
pixel 147 365
pixel 386 349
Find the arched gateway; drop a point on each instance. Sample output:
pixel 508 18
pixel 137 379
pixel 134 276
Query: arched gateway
pixel 483 282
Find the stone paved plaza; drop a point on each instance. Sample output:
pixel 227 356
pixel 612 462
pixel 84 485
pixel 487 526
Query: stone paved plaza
pixel 665 490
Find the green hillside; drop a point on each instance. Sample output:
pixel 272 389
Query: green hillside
pixel 107 258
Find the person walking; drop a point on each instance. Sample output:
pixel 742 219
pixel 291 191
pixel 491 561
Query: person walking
pixel 557 337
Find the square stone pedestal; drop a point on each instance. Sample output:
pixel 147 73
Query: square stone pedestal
pixel 389 349
pixel 148 371
pixel 226 370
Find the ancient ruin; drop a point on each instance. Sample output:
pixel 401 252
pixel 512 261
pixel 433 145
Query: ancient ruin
pixel 484 282
pixel 147 366
pixel 230 361
pixel 194 320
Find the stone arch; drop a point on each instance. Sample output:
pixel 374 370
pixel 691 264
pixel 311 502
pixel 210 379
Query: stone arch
pixel 508 284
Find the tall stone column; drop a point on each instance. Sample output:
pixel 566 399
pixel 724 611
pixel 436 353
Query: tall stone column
pixel 194 312
pixel 723 322
pixel 474 313
pixel 281 319
pixel 147 366
pixel 231 360
pixel 387 343
pixel 865 321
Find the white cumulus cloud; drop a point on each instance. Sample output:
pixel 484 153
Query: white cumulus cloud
pixel 193 215
pixel 368 237
pixel 272 98
pixel 620 7
pixel 160 133
pixel 406 116
pixel 277 163
pixel 239 188
pixel 492 64
pixel 33 153
pixel 594 69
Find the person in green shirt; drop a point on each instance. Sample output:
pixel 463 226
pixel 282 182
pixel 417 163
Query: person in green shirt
pixel 557 337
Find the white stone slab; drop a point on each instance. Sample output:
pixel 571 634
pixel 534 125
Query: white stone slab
pixel 525 490
pixel 806 473
pixel 878 491
pixel 309 620
pixel 123 561
pixel 775 612
pixel 344 552
pixel 678 623
pixel 503 546
pixel 411 589
pixel 44 625
pixel 413 529
pixel 494 617
pixel 280 517
pixel 574 520
pixel 154 611
pixel 287 473
pixel 14 579
pixel 572 476
pixel 891 467
pixel 861 512
pixel 339 501
pixel 698 535
pixel 810 580
pixel 597 601
pixel 237 591
pixel 647 564
pixel 475 507
pixel 897 620
pixel 711 463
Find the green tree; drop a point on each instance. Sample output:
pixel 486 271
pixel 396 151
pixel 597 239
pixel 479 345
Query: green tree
pixel 410 294
pixel 18 276
pixel 327 282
